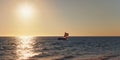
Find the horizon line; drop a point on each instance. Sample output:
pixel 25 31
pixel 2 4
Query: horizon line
pixel 59 36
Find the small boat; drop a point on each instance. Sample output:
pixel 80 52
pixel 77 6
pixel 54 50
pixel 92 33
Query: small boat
pixel 65 37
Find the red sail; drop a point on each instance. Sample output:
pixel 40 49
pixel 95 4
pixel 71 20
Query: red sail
pixel 66 34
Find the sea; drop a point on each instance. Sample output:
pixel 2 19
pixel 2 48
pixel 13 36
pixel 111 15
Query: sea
pixel 49 48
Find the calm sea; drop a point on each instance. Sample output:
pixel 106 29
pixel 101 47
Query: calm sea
pixel 49 48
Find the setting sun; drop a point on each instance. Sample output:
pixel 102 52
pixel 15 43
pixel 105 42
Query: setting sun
pixel 25 11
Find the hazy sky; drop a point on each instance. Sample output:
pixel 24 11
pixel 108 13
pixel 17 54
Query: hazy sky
pixel 54 17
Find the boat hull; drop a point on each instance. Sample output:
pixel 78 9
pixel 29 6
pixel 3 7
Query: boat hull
pixel 62 38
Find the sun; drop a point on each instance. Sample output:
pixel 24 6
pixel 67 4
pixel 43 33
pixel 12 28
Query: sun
pixel 25 11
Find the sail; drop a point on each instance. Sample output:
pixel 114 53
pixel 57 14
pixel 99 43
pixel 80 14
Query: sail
pixel 66 34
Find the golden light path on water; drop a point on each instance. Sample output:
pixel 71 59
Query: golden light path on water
pixel 25 48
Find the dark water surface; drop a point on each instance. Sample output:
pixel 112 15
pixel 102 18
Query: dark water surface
pixel 49 48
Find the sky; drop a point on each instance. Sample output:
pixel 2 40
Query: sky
pixel 54 17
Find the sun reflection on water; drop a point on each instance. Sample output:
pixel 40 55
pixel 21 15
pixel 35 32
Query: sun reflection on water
pixel 25 47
